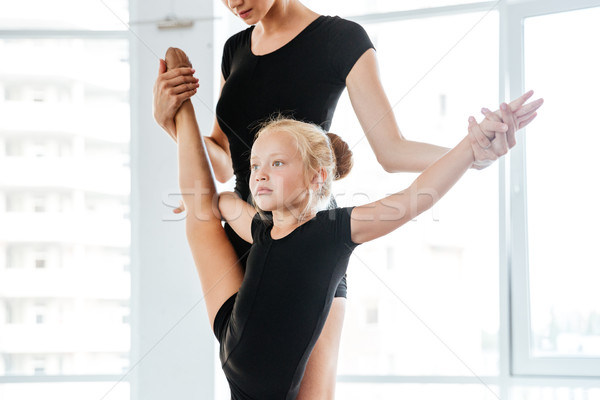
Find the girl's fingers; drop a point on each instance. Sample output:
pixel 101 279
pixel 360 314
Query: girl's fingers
pixel 474 129
pixel 490 115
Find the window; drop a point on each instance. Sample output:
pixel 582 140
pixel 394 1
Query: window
pixel 556 329
pixel 410 293
pixel 69 87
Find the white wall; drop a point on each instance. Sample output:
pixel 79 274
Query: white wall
pixel 172 344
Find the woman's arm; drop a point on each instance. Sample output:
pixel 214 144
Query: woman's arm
pixel 379 218
pixel 217 146
pixel 393 151
pixel 375 114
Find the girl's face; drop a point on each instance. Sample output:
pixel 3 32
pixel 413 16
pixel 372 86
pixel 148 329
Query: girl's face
pixel 277 180
pixel 250 11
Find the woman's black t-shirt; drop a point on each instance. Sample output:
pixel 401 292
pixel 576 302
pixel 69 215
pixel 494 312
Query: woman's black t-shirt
pixel 302 80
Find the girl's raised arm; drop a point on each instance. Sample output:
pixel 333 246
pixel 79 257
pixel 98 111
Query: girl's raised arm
pixel 381 217
pixel 237 213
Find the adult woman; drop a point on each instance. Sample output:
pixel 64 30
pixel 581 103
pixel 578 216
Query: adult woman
pixel 334 53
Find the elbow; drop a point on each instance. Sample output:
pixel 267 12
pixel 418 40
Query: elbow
pixel 388 163
pixel 387 166
pixel 223 176
pixel 392 157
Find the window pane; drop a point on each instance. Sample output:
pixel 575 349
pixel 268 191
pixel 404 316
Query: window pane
pixel 64 14
pixel 64 230
pixel 424 300
pixel 562 183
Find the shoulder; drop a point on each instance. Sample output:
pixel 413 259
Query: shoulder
pixel 339 25
pixel 239 38
pixel 338 217
pixel 336 223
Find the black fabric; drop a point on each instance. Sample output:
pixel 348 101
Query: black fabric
pixel 303 79
pixel 242 249
pixel 269 328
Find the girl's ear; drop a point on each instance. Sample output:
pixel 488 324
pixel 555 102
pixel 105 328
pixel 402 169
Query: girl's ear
pixel 319 179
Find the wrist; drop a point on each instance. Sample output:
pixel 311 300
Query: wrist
pixel 467 149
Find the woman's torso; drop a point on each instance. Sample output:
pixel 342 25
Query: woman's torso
pixel 302 79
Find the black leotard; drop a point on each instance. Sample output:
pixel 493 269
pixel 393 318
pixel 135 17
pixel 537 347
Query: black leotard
pixel 303 79
pixel 269 328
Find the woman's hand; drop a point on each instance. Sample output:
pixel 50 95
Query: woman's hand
pixel 179 209
pixel 488 142
pixel 171 89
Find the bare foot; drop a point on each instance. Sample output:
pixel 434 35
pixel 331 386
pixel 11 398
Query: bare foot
pixel 176 58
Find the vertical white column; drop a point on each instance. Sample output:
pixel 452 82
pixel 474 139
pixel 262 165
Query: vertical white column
pixel 172 344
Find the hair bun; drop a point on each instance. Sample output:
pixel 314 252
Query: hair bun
pixel 343 156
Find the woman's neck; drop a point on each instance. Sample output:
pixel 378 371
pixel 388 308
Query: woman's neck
pixel 285 15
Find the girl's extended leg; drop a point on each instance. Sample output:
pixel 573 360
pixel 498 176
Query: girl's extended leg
pixel 319 378
pixel 216 261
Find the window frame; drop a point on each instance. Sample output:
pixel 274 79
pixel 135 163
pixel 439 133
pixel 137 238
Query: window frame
pixel 514 213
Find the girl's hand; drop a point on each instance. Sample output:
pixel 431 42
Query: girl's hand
pixel 495 144
pixel 170 90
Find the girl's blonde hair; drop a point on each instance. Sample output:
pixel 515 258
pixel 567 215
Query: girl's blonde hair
pixel 319 150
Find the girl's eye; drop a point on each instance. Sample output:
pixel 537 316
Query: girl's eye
pixel 253 167
pixel 277 163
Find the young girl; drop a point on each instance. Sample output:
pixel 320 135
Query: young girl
pixel 269 318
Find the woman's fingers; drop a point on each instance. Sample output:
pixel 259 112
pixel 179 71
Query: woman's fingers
pixel 519 101
pixel 171 89
pixel 524 122
pixel 529 108
pixel 179 209
pixel 508 118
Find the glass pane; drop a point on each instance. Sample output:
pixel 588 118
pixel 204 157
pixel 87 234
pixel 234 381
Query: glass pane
pixel 64 207
pixel 562 183
pixel 387 391
pixel 65 391
pixel 64 14
pixel 424 300
pixel 354 8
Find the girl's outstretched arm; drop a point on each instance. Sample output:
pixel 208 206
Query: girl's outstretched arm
pixel 381 217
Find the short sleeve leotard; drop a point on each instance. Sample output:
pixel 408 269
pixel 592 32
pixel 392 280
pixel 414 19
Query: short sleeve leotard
pixel 303 80
pixel 268 329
